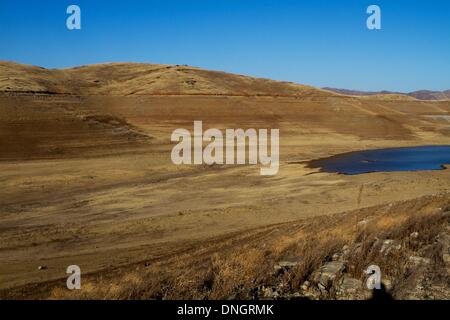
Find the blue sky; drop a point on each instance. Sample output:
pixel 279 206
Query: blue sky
pixel 320 42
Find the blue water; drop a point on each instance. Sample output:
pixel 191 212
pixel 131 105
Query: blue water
pixel 386 160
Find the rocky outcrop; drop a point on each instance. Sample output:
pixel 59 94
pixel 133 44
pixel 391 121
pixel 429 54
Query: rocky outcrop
pixel 338 277
pixel 327 274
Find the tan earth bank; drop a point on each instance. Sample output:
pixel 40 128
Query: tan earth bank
pixel 87 177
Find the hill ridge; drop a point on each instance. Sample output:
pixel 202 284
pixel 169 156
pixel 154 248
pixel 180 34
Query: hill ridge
pixel 136 78
pixel 418 94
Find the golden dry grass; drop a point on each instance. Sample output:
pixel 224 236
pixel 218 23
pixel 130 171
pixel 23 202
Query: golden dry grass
pixel 236 271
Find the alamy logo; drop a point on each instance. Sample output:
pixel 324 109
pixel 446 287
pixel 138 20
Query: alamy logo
pixel 374 20
pixel 74 280
pixel 73 22
pixel 213 153
pixel 374 277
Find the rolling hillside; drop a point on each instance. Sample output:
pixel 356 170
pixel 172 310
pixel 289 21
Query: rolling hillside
pixel 116 107
pixel 140 79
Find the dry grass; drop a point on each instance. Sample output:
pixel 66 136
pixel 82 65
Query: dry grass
pixel 235 272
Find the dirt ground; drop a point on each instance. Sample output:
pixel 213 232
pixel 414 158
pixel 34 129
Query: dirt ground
pixel 88 180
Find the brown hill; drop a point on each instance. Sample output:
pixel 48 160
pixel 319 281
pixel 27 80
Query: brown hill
pixel 120 107
pixel 140 79
pixel 156 79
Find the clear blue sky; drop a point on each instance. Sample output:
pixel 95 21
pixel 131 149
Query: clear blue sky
pixel 320 42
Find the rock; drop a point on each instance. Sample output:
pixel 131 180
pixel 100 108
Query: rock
pixel 328 273
pixel 296 295
pixel 389 245
pixel 416 261
pixel 386 244
pixel 349 285
pixel 280 287
pixel 336 257
pixel 305 285
pixel 414 235
pixel 346 251
pixel 42 267
pixel 446 258
pixel 287 263
pixel 312 294
pixel 363 223
pixel 269 292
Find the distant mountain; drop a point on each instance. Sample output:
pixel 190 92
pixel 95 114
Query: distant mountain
pixel 420 94
pixel 430 95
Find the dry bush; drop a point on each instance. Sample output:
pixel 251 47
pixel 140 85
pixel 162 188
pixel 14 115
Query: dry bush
pixel 399 227
pixel 234 271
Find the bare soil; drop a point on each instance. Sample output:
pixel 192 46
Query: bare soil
pixel 87 178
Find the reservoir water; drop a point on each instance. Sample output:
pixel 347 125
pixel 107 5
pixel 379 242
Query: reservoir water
pixel 386 160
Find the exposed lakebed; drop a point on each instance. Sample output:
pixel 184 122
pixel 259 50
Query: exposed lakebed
pixel 386 160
